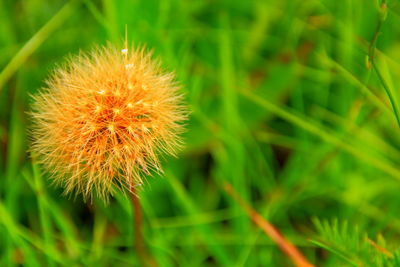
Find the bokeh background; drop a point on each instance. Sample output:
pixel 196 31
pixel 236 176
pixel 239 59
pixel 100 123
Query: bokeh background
pixel 286 106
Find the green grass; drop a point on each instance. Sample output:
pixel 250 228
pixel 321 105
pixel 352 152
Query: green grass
pixel 293 103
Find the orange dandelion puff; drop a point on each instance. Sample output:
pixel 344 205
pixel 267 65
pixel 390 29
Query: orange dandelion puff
pixel 105 118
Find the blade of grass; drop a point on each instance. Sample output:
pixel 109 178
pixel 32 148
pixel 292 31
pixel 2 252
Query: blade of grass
pixel 371 59
pixel 361 134
pixel 380 164
pixel 161 247
pixel 187 204
pixel 97 14
pixel 99 229
pixel 18 231
pixel 388 92
pixel 37 39
pixel 43 211
pixel 109 8
pixel 353 79
pixel 61 220
pixel 231 167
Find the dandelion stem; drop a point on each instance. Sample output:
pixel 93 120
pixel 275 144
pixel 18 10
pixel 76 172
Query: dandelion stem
pixel 138 226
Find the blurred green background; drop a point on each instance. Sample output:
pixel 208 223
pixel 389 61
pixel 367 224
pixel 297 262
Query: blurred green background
pixel 285 107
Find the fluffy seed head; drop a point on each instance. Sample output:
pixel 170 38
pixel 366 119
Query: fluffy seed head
pixel 104 119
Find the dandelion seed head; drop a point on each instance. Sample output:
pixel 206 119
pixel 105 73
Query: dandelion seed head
pixel 104 120
pixel 128 66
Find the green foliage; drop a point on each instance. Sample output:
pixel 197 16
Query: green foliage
pixel 293 103
pixel 352 246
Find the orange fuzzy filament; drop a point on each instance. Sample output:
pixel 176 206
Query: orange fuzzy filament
pixel 104 118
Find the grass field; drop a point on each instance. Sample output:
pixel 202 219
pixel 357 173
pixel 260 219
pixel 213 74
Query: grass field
pixel 294 104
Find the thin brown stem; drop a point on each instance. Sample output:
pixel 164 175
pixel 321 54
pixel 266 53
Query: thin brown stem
pixel 380 249
pixel 288 248
pixel 139 245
